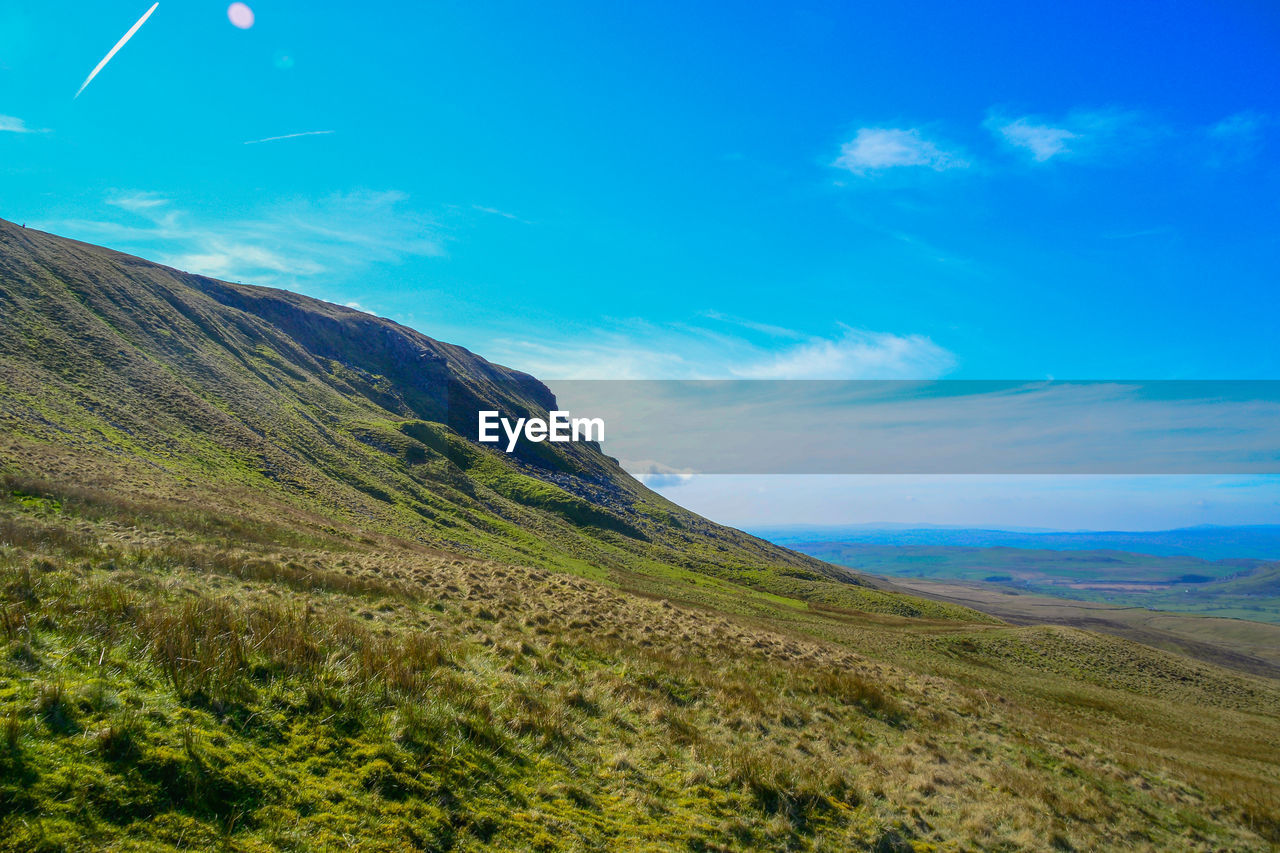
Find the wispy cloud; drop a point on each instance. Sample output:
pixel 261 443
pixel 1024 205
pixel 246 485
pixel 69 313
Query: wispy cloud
pixel 1238 138
pixel 1080 132
pixel 12 124
pixel 123 41
pixel 874 149
pixel 289 136
pixel 769 329
pixel 279 245
pixel 138 201
pixel 733 349
pixel 493 211
pixel 226 258
pixel 1042 140
pixel 656 475
pixel 1244 125
pixel 855 354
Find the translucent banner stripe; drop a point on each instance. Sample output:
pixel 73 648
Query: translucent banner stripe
pixel 934 427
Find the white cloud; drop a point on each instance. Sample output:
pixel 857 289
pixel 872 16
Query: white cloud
pixel 138 201
pixel 277 246
pixel 1078 133
pixel 641 350
pixel 856 354
pixel 878 148
pixel 656 475
pixel 1042 140
pixel 11 124
pixel 222 257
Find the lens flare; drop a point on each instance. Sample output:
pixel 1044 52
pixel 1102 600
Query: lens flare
pixel 240 15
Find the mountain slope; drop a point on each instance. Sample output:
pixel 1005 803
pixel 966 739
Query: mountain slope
pixel 142 378
pixel 259 592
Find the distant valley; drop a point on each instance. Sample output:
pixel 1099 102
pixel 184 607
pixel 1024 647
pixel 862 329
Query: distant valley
pixel 1208 542
pixel 1243 589
pixel 1226 611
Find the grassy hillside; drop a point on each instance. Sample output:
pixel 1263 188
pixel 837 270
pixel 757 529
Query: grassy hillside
pixel 229 685
pixel 258 592
pixel 134 378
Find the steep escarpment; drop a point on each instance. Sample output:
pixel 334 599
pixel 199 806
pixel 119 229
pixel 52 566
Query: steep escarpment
pixel 137 378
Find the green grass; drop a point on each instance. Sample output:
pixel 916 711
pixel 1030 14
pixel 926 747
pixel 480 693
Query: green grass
pixel 169 692
pixel 240 714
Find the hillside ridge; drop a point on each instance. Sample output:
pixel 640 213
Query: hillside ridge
pixel 148 379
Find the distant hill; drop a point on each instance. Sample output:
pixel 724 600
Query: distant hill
pixel 1208 542
pixel 1235 588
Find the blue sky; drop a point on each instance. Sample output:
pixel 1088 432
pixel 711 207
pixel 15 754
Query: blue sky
pixel 1011 190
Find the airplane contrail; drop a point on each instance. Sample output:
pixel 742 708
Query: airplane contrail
pixel 289 136
pixel 112 52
